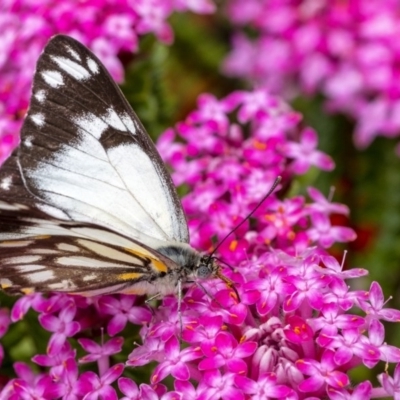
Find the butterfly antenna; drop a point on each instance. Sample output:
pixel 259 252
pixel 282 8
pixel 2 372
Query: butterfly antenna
pixel 274 185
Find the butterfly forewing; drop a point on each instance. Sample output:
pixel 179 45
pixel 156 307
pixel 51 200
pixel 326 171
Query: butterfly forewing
pixel 85 156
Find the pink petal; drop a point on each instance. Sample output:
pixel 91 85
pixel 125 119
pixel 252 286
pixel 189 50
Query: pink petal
pixel 67 314
pixel 49 322
pixel 247 385
pixel 237 366
pixel 89 345
pixel 112 374
pixel 117 324
pixel 309 139
pixel 55 344
pixel 181 371
pixel 72 328
pixel 338 379
pixel 211 363
pixel 311 384
pixel 160 372
pixel 245 349
pixel 108 393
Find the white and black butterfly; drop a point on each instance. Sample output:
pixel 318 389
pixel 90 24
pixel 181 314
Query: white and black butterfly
pixel 86 204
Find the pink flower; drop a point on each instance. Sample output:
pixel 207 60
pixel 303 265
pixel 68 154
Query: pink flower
pixel 305 154
pixel 215 386
pixel 97 351
pixel 145 392
pixel 321 374
pixel 361 391
pixel 266 387
pixel 122 311
pixel 63 326
pixel 326 234
pixel 175 361
pixel 391 384
pixel 100 387
pixel 225 351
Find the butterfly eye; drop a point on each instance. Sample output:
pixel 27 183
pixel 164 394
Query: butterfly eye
pixel 203 271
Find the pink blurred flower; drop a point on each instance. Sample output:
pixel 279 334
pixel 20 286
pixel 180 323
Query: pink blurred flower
pixel 62 326
pixel 100 387
pixel 348 51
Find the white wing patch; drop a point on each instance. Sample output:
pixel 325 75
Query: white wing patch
pixel 53 211
pixel 106 251
pixel 86 262
pixel 93 66
pixel 13 207
pixel 30 268
pixel 6 183
pixel 38 119
pixel 64 284
pixel 42 276
pixel 90 123
pixel 40 96
pixel 115 120
pixel 73 53
pixel 129 123
pixel 67 247
pixel 72 68
pixel 22 260
pixel 148 192
pixel 53 78
pixel 28 141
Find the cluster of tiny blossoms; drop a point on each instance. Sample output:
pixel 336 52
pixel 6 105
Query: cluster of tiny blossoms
pixel 347 50
pixel 108 27
pixel 290 329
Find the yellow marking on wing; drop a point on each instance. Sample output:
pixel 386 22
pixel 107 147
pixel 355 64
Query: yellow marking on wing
pixel 83 294
pixel 129 276
pixel 27 290
pixel 134 291
pixel 140 252
pixel 5 285
pixel 40 237
pixel 15 243
pixel 159 266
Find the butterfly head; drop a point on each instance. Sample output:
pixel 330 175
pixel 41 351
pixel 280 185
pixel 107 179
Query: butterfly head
pixel 207 267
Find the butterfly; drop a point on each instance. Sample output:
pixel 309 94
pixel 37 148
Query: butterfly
pixel 86 204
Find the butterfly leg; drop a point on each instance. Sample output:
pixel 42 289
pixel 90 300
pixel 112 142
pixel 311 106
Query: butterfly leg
pixel 150 299
pixel 179 308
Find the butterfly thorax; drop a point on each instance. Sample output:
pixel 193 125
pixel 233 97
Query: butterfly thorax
pixel 192 265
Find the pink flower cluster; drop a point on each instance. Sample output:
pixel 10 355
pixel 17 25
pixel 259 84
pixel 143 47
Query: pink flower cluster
pixel 108 27
pixel 292 328
pixel 346 50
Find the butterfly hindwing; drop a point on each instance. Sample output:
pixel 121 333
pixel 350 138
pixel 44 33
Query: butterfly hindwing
pixel 85 156
pixel 46 254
